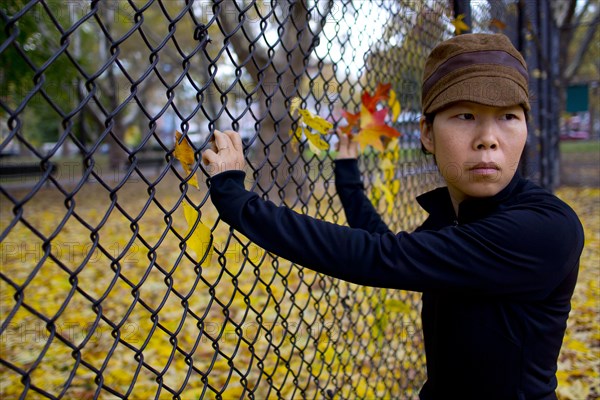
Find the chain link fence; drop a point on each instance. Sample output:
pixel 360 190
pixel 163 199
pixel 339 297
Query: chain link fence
pixel 100 295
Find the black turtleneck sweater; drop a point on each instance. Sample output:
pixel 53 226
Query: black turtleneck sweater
pixel 496 280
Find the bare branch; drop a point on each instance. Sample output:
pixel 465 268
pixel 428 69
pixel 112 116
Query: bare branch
pixel 570 13
pixel 583 47
pixel 582 13
pixel 299 39
pixel 233 33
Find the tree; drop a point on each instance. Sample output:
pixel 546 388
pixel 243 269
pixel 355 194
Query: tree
pixel 577 27
pixel 275 70
pixel 416 28
pixel 37 89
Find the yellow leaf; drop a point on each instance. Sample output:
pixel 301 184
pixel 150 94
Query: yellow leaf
pixel 366 117
pixel 395 187
pixel 314 121
pixel 317 151
pixel 375 196
pixel 392 151
pixel 295 104
pixel 316 141
pixel 562 377
pixel 459 25
pixel 362 388
pixel 185 154
pixel 296 138
pixel 387 194
pixel 386 164
pixel 389 198
pixel 578 346
pixel 369 137
pixel 201 238
pixel 398 306
pixel 183 150
pixel 394 105
pixel 537 74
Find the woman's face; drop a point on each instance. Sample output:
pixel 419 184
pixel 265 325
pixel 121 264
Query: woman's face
pixel 477 148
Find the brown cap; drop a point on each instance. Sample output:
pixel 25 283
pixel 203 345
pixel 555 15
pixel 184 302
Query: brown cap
pixel 479 67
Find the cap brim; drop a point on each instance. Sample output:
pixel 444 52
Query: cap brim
pixel 493 91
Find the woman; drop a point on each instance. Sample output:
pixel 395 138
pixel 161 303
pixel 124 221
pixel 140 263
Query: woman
pixel 497 258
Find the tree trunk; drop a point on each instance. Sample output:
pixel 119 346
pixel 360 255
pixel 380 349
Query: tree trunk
pixel 275 173
pixel 563 18
pixel 116 155
pixel 278 74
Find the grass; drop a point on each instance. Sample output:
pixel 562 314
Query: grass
pixel 580 146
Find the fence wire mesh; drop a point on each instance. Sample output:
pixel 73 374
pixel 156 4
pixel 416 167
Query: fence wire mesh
pixel 100 294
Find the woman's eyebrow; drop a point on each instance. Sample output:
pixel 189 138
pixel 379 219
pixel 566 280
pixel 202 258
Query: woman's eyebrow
pixel 513 107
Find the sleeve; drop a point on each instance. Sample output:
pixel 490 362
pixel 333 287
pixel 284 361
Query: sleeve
pixel 359 211
pixel 523 252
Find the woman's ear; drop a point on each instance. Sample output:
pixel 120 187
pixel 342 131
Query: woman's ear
pixel 427 134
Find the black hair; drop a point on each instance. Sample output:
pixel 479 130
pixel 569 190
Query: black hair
pixel 429 117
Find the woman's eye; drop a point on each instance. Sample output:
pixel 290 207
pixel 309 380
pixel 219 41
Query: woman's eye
pixel 466 116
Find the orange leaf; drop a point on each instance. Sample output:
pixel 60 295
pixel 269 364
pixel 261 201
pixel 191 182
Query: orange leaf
pixel 376 120
pixel 383 90
pixel 388 131
pixel 347 130
pixel 498 24
pixel 351 118
pixel 381 94
pixel 185 154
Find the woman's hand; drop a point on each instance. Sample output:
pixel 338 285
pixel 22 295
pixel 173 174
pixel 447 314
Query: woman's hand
pixel 226 153
pixel 346 147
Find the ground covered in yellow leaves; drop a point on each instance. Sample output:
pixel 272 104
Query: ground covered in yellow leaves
pixel 101 297
pixel 104 301
pixel 579 361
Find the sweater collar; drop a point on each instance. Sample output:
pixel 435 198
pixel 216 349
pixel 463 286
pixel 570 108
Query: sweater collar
pixel 438 202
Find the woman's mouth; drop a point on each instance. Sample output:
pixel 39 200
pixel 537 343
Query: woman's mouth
pixel 485 168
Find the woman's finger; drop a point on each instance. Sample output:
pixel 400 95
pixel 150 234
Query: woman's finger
pixel 209 156
pixel 343 140
pixel 212 144
pixel 222 141
pixel 236 140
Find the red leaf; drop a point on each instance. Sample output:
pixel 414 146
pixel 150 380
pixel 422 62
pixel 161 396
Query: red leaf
pixel 351 118
pixel 388 131
pixel 346 130
pixel 382 93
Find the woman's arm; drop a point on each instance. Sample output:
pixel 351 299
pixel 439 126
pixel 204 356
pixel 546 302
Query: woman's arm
pixel 359 211
pixel 524 251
